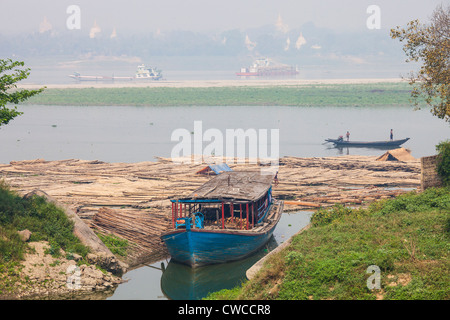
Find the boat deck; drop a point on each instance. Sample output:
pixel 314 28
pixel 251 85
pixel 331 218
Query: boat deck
pixel 235 225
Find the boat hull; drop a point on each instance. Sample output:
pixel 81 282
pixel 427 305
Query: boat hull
pixel 100 78
pixel 198 247
pixel 390 143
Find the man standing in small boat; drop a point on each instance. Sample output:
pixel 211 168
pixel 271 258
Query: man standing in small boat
pixel 348 136
pixel 392 135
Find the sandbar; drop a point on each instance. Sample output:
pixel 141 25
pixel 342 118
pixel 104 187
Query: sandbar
pixel 207 83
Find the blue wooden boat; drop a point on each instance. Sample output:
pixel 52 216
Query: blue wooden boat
pixel 229 218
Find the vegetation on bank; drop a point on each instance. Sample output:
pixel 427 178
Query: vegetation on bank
pixel 443 164
pixel 408 238
pixel 46 223
pixel 305 95
pixel 118 246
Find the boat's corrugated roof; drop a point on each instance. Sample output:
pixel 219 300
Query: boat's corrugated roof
pixel 218 168
pixel 235 185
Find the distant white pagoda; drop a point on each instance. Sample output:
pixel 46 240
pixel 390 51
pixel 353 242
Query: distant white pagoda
pixel 249 44
pixel 45 26
pixel 94 30
pixel 300 41
pixel 113 34
pixel 280 25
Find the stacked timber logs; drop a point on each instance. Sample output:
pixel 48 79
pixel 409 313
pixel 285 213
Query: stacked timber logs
pixel 132 200
pixel 347 196
pixel 138 226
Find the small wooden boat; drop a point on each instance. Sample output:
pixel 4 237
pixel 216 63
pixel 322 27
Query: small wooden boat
pixel 229 218
pixel 367 144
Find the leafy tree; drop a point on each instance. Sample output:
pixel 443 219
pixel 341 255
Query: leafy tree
pixel 429 44
pixel 10 73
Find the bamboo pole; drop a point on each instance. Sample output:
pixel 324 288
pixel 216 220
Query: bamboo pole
pixel 253 215
pixel 232 211
pixel 247 215
pixel 173 218
pixel 223 217
pixel 240 215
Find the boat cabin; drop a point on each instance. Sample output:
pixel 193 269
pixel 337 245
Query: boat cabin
pixel 237 200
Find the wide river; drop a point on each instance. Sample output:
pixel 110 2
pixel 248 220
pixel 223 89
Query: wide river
pixel 134 134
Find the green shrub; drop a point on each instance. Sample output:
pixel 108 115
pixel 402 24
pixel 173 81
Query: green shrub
pixel 430 199
pixel 338 212
pixel 294 257
pixel 11 247
pixel 443 165
pixel 117 245
pixel 45 220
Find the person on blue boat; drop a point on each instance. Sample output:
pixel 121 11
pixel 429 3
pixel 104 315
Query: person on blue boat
pixel 348 135
pixel 392 135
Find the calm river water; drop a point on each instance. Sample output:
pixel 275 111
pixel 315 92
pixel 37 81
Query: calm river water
pixel 134 134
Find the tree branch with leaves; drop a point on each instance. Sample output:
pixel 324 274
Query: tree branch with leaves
pixel 430 45
pixel 12 72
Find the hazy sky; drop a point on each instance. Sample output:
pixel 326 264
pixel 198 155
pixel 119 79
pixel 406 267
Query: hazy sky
pixel 140 16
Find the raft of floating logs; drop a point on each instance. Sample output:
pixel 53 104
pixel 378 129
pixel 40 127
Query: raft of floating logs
pixel 132 200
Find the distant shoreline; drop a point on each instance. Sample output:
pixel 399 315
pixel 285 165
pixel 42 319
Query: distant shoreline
pixel 333 92
pixel 208 83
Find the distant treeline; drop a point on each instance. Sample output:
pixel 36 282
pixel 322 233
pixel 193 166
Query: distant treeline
pixel 260 41
pixel 306 95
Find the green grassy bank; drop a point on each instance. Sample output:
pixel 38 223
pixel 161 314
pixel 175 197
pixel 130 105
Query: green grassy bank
pixel 47 222
pixel 305 95
pixel 408 238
